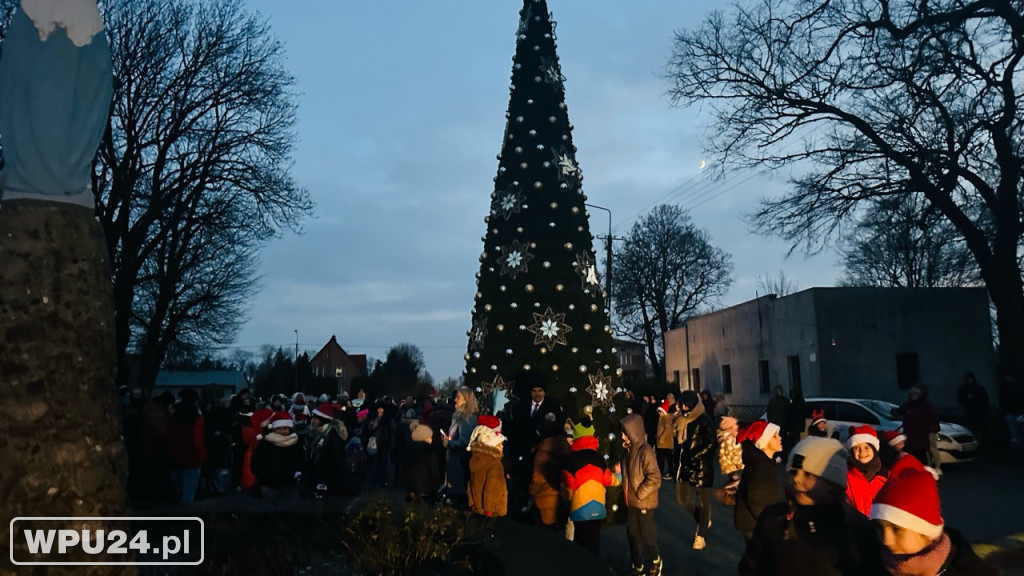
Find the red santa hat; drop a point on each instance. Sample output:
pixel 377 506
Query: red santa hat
pixel 664 407
pixel 492 422
pixel 863 435
pixel 817 415
pixel 261 417
pixel 282 419
pixel 324 411
pixel 910 500
pixel 759 432
pixel 894 437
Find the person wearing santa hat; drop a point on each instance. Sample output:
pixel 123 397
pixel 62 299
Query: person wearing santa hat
pixel 864 470
pixel 487 490
pixel 300 413
pixel 277 460
pixel 815 531
pixel 325 452
pixel 891 450
pixel 665 439
pixel 914 536
pixel 760 484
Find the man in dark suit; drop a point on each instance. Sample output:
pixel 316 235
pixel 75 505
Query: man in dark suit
pixel 523 434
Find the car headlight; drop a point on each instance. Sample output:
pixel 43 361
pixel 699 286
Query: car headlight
pixel 944 438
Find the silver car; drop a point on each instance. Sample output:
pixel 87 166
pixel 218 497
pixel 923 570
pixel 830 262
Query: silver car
pixel 956 443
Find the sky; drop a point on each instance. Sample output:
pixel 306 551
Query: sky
pixel 401 113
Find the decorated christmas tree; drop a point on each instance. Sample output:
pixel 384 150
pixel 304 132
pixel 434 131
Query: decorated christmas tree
pixel 540 312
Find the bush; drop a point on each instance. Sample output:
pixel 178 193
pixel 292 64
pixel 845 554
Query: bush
pixel 411 540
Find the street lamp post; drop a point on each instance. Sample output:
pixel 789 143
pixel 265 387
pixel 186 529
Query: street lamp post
pixel 608 260
pixel 296 361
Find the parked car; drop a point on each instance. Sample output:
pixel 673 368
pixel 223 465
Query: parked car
pixel 956 443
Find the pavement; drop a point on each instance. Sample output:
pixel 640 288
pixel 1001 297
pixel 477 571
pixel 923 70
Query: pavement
pixel 983 501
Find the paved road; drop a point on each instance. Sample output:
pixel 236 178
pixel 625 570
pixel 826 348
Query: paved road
pixel 984 501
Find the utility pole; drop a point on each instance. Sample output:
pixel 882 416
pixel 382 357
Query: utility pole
pixel 608 260
pixel 296 361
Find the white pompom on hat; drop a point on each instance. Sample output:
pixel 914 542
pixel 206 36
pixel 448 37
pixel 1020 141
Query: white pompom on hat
pixel 910 500
pixel 823 457
pixel 863 435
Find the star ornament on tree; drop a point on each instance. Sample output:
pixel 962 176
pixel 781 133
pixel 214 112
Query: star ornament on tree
pixel 587 271
pixel 515 258
pixel 600 389
pixel 478 333
pixel 568 170
pixel 508 202
pixel 549 328
pixel 524 24
pixel 497 384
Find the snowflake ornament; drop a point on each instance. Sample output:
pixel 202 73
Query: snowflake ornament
pixel 508 202
pixel 478 333
pixel 515 258
pixel 552 74
pixel 549 328
pixel 600 389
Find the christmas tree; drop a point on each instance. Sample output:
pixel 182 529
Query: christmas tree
pixel 540 313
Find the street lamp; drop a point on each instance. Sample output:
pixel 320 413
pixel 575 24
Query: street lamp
pixel 608 259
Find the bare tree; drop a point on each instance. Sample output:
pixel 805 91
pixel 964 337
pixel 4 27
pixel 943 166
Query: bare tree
pixel 666 270
pixel 193 174
pixel 867 100
pixel 900 242
pixel 780 285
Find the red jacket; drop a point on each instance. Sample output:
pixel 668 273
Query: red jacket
pixel 861 492
pixel 187 443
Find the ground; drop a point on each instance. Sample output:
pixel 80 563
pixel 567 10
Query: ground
pixel 981 500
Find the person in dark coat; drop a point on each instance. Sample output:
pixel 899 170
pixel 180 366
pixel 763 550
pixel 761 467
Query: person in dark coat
pixel 277 460
pixel 641 480
pixel 974 399
pixel 920 419
pixel 325 452
pixel 695 477
pixel 814 532
pixel 421 472
pixel 913 533
pixel 760 484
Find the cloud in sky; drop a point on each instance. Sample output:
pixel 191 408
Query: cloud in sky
pixel 401 115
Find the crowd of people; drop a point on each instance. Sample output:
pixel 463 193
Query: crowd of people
pixel 813 517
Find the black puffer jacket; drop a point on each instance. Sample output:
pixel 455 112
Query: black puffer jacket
pixel 824 540
pixel 697 453
pixel 760 487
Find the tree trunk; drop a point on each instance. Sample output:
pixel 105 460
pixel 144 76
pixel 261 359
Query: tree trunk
pixel 60 437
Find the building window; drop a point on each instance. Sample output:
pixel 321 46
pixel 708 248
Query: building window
pixel 795 385
pixel 726 378
pixel 696 379
pixel 908 371
pixel 675 376
pixel 764 376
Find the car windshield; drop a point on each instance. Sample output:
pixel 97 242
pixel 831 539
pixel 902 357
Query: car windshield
pixel 880 407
